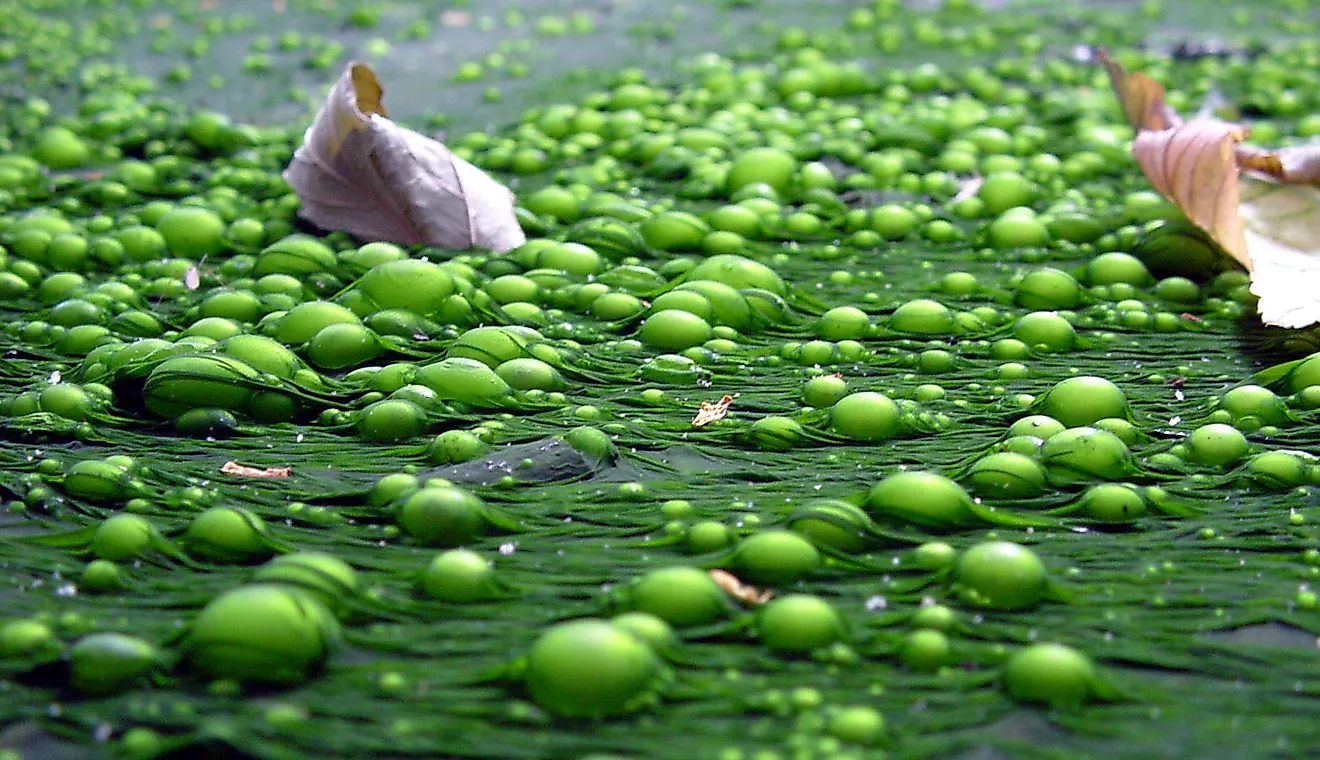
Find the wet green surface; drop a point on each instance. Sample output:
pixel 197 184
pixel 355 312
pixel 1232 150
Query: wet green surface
pixel 1199 615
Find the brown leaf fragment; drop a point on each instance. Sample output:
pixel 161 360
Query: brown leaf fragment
pixel 1299 164
pixel 710 412
pixel 1194 165
pixel 739 590
pixel 1260 205
pixel 359 172
pixel 1141 97
pixel 234 468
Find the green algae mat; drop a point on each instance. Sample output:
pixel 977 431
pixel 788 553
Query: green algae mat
pixel 853 395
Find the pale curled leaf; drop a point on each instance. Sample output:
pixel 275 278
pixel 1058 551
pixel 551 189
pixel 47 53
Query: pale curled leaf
pixel 1194 165
pixel 1282 224
pixel 359 172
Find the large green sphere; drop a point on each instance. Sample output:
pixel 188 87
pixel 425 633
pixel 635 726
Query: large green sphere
pixel 262 634
pixel 590 668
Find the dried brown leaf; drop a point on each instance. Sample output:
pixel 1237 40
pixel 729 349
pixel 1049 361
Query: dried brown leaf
pixel 1259 205
pixel 739 590
pixel 1299 164
pixel 710 412
pixel 234 468
pixel 1141 97
pixel 1194 166
pixel 359 172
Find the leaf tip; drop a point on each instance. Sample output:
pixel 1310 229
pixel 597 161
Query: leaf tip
pixel 367 90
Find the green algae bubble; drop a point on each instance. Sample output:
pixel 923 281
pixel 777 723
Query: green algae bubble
pixel 833 523
pixel 1000 575
pixel 61 148
pixel 1117 267
pixel 343 345
pixel 592 443
pixel 226 534
pixel 775 433
pixel 612 307
pixel 865 416
pixel 362 259
pixel 1085 453
pixel 97 481
pixel 1303 375
pixel 674 231
pixel 1007 475
pixel 1048 289
pixel 1254 401
pixel 454 446
pixel 674 330
pixel 738 272
pixel 925 650
pixel 1217 444
pixel 1125 431
pixel 843 323
pixel 325 577
pixel 1113 503
pixel 295 255
pixel 391 420
pixel 589 668
pixel 771 166
pixel 261 634
pixel 776 557
pixel 418 286
pixel 936 617
pixel 27 638
pixel 1017 227
pixel 494 345
pixel 824 391
pixel 857 724
pixel 1041 426
pixel 123 536
pixel 729 306
pixel 925 498
pixel 922 317
pixel 671 369
pixel 1080 401
pixel 443 516
pixel 301 323
pixel 681 596
pixel 188 382
pixel 799 623
pixel 649 629
pixel 684 300
pixel 101 576
pixel 709 536
pixel 459 575
pixel 1278 470
pixel 103 663
pixel 1045 331
pixel 192 232
pixel 934 556
pixel 1051 674
pixel 465 380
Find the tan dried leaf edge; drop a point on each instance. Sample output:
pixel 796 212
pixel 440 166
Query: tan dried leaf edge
pixel 1260 205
